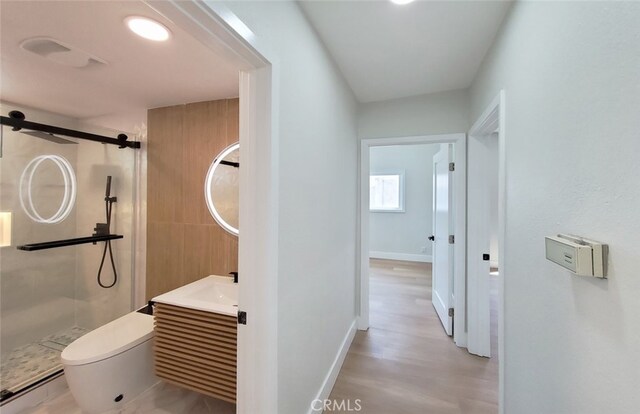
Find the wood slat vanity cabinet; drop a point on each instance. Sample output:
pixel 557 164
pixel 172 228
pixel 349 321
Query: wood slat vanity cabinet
pixel 196 350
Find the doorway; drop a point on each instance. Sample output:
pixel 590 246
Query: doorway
pixel 213 24
pixel 458 262
pixel 486 228
pixel 403 191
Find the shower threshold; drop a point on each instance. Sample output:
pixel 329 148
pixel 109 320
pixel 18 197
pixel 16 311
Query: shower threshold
pixel 36 361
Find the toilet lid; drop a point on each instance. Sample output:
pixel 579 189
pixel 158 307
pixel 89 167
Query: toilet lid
pixel 108 340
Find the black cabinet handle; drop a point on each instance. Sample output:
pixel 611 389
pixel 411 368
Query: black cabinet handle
pixel 432 238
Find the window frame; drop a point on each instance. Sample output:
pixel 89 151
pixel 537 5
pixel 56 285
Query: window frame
pixel 401 193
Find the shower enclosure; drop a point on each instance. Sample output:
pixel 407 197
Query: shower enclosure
pixel 52 193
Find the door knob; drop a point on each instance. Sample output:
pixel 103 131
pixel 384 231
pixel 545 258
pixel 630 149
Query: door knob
pixel 432 238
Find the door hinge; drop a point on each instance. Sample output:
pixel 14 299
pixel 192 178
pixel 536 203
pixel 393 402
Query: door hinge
pixel 452 239
pixel 451 312
pixel 452 166
pixel 242 318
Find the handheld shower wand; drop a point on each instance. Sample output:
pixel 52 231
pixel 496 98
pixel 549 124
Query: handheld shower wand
pixel 107 193
pixel 105 228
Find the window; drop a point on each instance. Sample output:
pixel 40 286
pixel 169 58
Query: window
pixel 386 192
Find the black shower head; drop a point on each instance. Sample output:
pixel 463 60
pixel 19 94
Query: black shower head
pixel 49 137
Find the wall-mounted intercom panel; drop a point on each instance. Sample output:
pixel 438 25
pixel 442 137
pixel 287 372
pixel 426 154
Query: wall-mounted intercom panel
pixel 582 256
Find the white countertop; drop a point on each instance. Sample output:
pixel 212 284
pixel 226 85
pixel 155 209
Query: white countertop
pixel 213 293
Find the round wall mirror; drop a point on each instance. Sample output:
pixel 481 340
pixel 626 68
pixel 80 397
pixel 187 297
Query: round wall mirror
pixel 221 188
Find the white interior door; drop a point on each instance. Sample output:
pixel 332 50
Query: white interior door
pixel 442 272
pixel 482 198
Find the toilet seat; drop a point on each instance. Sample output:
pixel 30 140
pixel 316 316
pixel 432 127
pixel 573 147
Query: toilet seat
pixel 108 340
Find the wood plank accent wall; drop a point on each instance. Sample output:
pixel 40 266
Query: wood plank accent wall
pixel 184 243
pixel 196 350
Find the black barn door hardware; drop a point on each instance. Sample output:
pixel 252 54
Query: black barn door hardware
pixel 16 119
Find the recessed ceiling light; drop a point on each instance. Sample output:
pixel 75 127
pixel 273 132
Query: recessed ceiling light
pixel 147 28
pixel 402 2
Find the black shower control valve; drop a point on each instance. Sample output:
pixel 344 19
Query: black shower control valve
pixel 101 229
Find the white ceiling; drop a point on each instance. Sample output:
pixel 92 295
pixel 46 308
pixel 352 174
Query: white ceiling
pixel 386 51
pixel 139 74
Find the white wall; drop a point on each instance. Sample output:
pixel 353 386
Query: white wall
pixel 436 113
pixel 403 236
pixel 571 73
pixel 317 221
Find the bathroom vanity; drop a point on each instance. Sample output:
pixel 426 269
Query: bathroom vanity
pixel 196 337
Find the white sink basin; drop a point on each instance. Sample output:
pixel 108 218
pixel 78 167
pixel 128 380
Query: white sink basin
pixel 212 294
pixel 218 292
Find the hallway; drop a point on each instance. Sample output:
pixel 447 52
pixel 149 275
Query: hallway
pixel 405 363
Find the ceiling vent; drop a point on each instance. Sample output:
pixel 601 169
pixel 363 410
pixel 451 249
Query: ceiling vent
pixel 61 53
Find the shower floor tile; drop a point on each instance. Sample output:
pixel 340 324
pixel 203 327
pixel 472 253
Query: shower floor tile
pixel 32 362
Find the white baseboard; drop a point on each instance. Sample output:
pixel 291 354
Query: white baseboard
pixel 362 326
pixel 425 258
pixel 332 375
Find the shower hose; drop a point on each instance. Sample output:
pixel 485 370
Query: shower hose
pixel 107 245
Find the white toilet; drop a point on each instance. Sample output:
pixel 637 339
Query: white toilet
pixel 111 365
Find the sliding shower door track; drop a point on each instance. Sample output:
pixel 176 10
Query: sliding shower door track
pixel 7 396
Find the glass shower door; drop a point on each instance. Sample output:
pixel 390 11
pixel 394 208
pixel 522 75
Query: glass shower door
pixel 51 191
